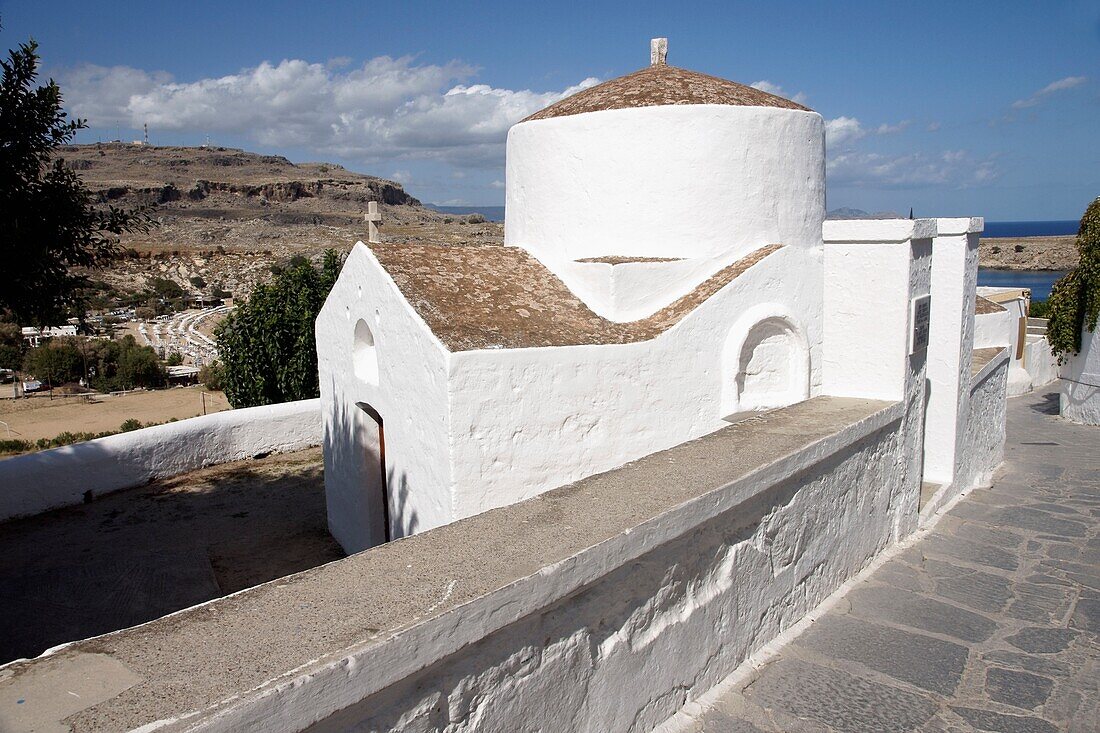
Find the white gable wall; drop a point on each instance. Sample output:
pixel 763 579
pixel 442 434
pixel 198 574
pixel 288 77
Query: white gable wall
pixel 527 420
pixel 410 393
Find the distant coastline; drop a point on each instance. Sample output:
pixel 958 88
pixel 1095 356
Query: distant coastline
pixel 993 229
pixel 1019 229
pixel 492 213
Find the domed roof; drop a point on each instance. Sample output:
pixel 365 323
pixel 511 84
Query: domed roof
pixel 661 84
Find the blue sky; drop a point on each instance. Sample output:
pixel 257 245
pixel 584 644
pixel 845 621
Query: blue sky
pixel 952 108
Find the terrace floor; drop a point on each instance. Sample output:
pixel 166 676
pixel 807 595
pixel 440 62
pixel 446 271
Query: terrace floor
pixel 991 622
pixel 135 555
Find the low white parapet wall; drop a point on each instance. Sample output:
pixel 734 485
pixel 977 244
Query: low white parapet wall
pixel 604 605
pixel 36 482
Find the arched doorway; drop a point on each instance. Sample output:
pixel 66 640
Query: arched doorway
pixel 371 440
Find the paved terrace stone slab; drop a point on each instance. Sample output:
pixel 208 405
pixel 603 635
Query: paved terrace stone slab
pixel 135 555
pixel 310 621
pixel 990 623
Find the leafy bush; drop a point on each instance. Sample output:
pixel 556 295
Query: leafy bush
pixel 130 424
pixel 1018 248
pixel 212 376
pixel 174 359
pixel 15 446
pixel 1039 309
pixel 1074 302
pixel 267 344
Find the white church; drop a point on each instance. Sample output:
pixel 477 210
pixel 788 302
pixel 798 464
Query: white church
pixel 664 275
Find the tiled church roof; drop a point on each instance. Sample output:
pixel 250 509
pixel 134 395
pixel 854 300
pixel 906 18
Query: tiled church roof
pixel 660 85
pixel 490 297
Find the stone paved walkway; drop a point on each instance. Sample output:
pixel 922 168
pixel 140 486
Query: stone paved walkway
pixel 990 623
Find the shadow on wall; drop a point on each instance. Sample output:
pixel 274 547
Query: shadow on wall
pixel 355 491
pixel 707 599
pixel 139 554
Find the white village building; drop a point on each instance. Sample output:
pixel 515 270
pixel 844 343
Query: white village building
pixel 665 272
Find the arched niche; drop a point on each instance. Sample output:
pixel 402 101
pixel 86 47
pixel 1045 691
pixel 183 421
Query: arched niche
pixel 364 354
pixel 765 362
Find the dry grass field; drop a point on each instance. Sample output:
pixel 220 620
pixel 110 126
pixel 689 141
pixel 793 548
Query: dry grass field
pixel 39 416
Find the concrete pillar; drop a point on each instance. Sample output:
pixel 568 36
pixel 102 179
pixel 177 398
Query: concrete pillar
pixel 951 344
pixel 874 269
pixel 876 331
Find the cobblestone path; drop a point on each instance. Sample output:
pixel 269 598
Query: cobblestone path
pixel 990 623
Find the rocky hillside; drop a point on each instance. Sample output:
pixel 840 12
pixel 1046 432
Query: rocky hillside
pixel 225 216
pixel 1029 253
pixel 196 182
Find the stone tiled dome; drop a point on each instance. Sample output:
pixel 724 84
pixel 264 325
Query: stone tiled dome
pixel 659 85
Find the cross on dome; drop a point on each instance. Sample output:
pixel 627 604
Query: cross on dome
pixel 658 51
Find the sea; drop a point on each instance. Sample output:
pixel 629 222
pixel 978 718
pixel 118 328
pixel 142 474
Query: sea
pixel 492 213
pixel 1039 281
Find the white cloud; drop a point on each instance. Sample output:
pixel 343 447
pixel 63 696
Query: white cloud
pixel 766 86
pixel 933 126
pixel 955 168
pixel 885 129
pixel 1068 82
pixel 840 131
pixel 843 130
pixel 498 184
pixel 384 109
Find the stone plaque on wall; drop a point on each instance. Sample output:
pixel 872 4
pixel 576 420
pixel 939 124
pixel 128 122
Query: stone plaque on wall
pixel 920 314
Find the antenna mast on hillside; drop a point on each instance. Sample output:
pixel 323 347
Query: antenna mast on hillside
pixel 146 126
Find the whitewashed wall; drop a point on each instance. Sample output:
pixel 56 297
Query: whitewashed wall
pixel 36 482
pixel 527 420
pixel 1080 385
pixel 984 440
pixel 1040 363
pixel 873 268
pixel 951 344
pixel 627 182
pixel 407 387
pixel 626 651
pixel 1003 329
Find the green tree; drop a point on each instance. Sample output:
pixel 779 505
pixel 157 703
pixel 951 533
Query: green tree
pixel 49 223
pixel 138 366
pixel 1074 302
pixel 164 288
pixel 267 345
pixel 11 346
pixel 212 377
pixel 56 362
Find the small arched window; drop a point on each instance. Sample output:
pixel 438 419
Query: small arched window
pixel 364 354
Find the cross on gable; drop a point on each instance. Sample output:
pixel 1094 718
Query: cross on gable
pixel 373 218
